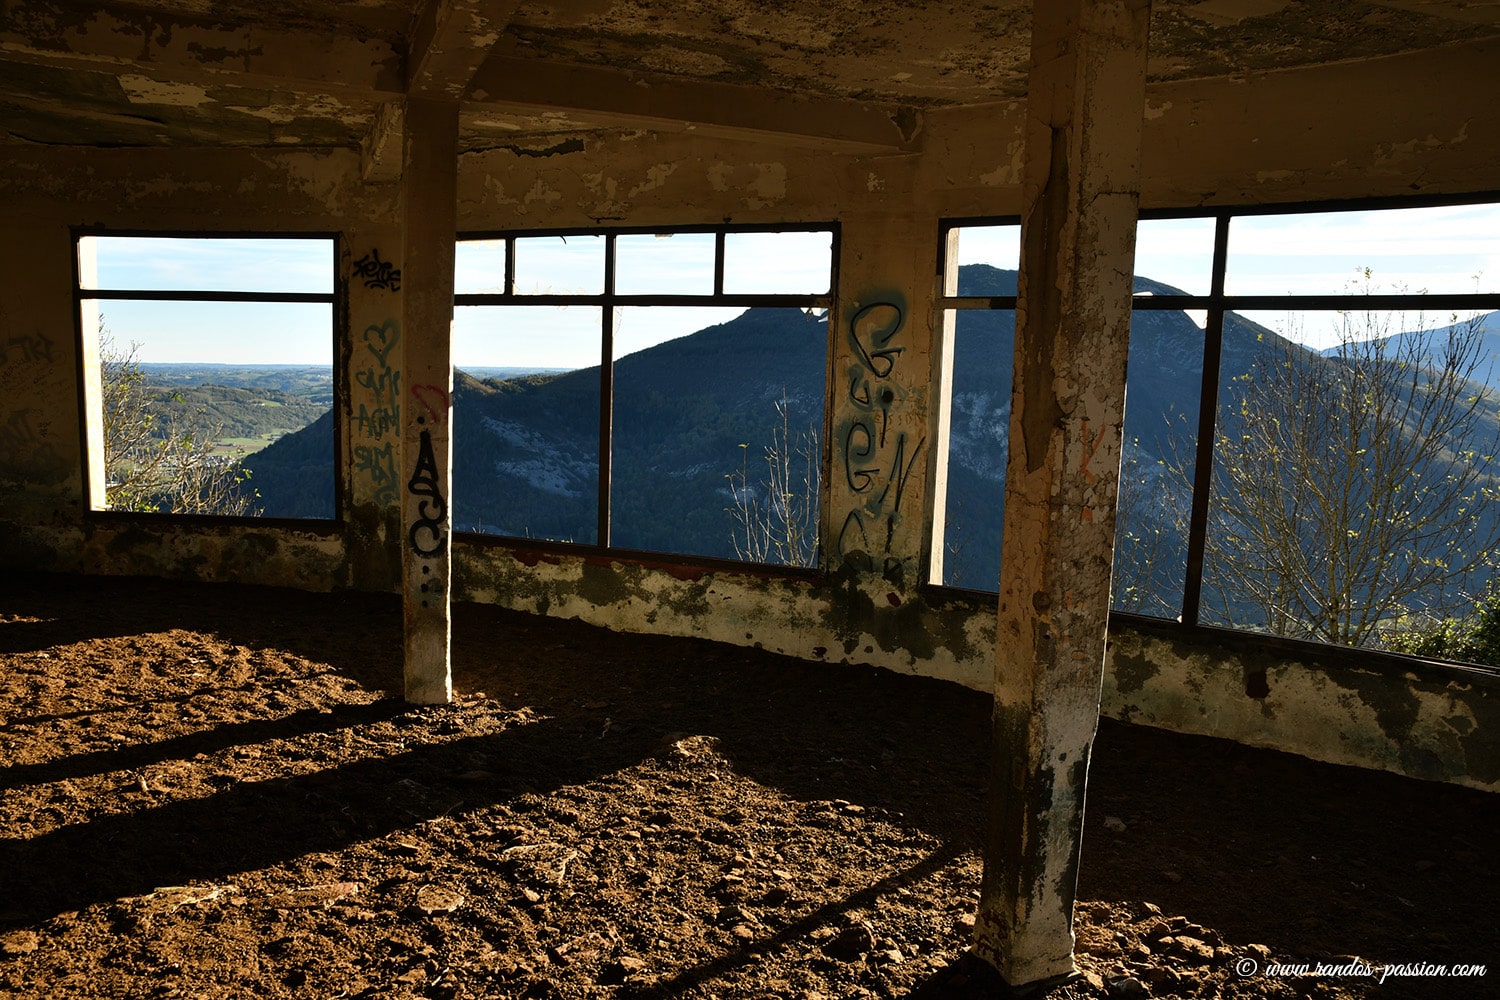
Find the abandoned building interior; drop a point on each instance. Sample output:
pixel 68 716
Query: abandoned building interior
pixel 560 227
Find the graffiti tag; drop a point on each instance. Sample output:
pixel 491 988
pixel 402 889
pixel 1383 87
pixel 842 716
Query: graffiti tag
pixel 426 534
pixel 378 273
pixel 381 415
pixel 380 463
pixel 27 348
pixel 877 464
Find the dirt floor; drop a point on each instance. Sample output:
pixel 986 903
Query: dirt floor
pixel 211 791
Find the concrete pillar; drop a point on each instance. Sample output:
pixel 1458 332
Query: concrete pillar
pixel 1080 192
pixel 878 415
pixel 429 207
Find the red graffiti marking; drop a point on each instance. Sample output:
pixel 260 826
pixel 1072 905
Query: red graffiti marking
pixel 430 396
pixel 1092 449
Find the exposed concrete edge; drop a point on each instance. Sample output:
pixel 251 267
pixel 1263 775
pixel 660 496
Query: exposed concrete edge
pixel 865 620
pixel 1430 724
pixel 272 554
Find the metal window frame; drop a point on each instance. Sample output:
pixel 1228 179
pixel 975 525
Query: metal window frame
pixel 607 302
pixel 1215 304
pixel 336 299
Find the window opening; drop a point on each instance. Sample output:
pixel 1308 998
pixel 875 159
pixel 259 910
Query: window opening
pixel 654 391
pixel 1312 421
pixel 208 373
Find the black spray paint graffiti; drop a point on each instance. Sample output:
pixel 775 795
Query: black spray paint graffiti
pixel 378 273
pixel 27 451
pixel 380 463
pixel 877 463
pixel 382 415
pixel 37 348
pixel 426 534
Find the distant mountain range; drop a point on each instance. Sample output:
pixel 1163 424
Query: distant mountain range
pixel 694 415
pixel 1487 366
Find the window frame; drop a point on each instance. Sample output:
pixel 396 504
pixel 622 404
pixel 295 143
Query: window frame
pixel 1215 304
pixel 336 299
pixel 607 301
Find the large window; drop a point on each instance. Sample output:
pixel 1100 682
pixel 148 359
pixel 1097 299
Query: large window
pixel 1312 419
pixel 658 391
pixel 208 373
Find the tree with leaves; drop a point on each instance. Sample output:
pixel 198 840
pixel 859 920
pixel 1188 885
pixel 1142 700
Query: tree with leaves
pixel 1352 487
pixel 157 458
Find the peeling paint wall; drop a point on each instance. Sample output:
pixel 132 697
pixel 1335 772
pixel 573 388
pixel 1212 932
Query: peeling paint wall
pixel 1256 139
pixel 1426 721
pixel 40 470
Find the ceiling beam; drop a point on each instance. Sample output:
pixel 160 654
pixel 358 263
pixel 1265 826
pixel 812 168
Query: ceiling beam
pixel 1461 11
pixel 620 99
pixel 380 149
pixel 200 50
pixel 450 40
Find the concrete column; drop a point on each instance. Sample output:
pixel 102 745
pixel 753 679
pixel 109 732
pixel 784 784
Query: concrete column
pixel 878 419
pixel 430 198
pixel 1080 192
pixel 371 351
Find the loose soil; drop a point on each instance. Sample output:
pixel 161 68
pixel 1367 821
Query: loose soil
pixel 214 791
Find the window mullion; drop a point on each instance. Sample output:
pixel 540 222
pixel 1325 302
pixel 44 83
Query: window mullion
pixel 606 390
pixel 1208 412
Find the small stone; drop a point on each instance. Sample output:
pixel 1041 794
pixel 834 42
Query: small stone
pixel 18 943
pixel 964 923
pixel 778 896
pixel 616 973
pixel 851 809
pixel 1089 944
pixel 1157 929
pixel 531 896
pixel 743 932
pixel 434 899
pixel 851 942
pixel 1192 949
pixel 736 914
pixel 1114 824
pixel 1128 986
pixel 1259 952
pixel 891 956
pixel 1093 979
pixel 1140 953
pixel 1161 977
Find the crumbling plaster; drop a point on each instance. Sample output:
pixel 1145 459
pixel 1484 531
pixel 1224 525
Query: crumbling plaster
pixel 1424 720
pixel 1256 139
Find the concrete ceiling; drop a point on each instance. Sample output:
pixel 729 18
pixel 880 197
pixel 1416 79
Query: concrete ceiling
pixel 845 74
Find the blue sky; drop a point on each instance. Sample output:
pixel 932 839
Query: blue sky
pixel 1451 249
